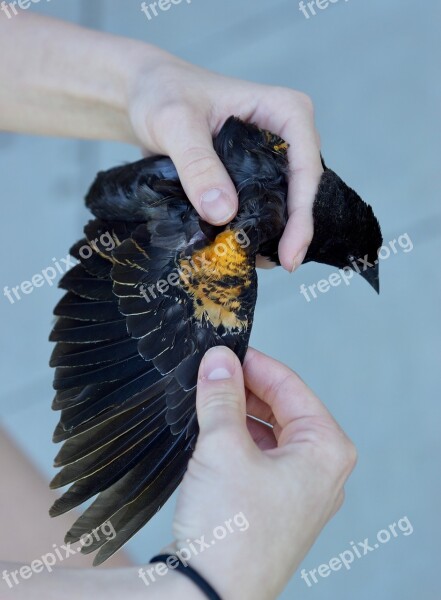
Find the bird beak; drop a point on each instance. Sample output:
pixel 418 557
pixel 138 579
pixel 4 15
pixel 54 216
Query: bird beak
pixel 372 277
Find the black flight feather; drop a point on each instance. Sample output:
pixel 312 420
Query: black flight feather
pixel 149 297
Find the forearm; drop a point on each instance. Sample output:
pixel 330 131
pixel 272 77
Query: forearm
pixel 63 80
pixel 108 584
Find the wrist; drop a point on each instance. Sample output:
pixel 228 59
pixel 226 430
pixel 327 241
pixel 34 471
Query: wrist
pixel 164 582
pixel 151 75
pixel 133 62
pixel 235 569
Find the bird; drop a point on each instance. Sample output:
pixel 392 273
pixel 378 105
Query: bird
pixel 138 314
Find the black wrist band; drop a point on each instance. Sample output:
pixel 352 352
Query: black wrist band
pixel 197 579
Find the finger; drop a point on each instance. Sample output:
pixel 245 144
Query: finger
pixel 300 414
pixel 203 176
pixel 220 398
pixel 286 394
pixel 259 409
pixel 263 435
pixel 304 177
pixel 339 502
pixel 298 129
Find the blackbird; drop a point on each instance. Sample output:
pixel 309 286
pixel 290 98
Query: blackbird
pixel 139 313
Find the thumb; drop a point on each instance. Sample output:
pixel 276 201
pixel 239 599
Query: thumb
pixel 202 174
pixel 220 398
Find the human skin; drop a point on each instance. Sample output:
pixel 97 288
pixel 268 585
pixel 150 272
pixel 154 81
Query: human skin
pixel 26 529
pixel 285 475
pixel 287 479
pixel 63 80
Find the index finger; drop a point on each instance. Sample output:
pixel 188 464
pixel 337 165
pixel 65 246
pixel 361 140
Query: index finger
pixel 283 390
pixel 294 122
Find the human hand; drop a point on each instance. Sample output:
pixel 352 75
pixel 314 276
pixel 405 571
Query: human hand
pixel 175 108
pixel 134 92
pixel 287 480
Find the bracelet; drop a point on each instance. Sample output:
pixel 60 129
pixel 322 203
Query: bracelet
pixel 188 571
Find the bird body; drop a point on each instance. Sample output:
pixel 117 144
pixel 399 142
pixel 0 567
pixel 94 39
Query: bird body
pixel 137 319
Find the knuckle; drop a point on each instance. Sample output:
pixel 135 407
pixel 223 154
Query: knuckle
pixel 218 442
pixel 339 452
pixel 334 451
pixel 286 96
pixel 294 97
pixel 198 162
pixel 305 102
pixel 352 455
pixel 347 456
pixel 340 501
pixel 275 389
pixel 221 397
pixel 169 112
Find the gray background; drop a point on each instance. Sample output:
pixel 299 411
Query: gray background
pixel 373 72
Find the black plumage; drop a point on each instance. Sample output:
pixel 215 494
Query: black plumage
pixel 139 313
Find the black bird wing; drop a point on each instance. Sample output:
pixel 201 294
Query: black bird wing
pixel 131 331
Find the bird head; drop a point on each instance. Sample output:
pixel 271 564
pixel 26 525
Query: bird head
pixel 346 231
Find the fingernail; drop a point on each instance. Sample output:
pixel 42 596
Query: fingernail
pixel 299 258
pixel 218 364
pixel 217 206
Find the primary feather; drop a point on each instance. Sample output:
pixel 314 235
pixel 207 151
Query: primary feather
pixel 154 289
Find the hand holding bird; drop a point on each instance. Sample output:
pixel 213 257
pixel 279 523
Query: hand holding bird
pixel 126 368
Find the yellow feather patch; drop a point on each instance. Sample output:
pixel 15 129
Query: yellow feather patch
pixel 215 277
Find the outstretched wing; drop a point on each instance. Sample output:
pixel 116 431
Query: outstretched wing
pixel 131 332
